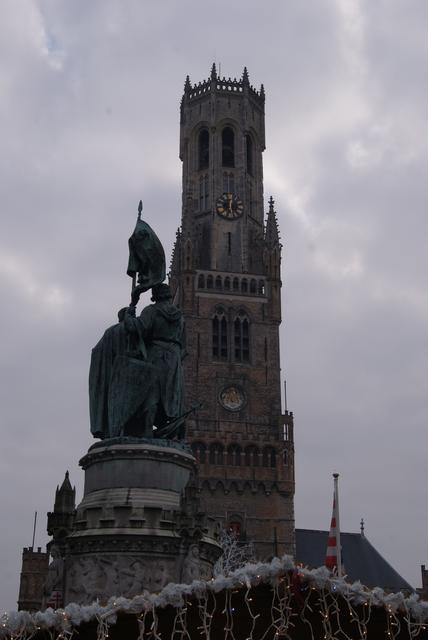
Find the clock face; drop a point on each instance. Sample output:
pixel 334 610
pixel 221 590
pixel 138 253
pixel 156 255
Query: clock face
pixel 232 398
pixel 229 206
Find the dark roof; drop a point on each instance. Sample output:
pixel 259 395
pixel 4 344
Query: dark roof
pixel 360 559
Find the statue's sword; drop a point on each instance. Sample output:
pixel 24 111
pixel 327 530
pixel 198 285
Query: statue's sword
pixel 171 426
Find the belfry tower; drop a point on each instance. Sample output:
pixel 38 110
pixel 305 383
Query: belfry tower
pixel 225 272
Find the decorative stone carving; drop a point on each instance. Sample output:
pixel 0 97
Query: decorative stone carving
pixel 192 565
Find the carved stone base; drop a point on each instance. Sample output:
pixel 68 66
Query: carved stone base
pixel 138 526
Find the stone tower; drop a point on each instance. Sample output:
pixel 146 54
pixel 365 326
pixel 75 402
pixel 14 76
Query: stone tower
pixel 33 575
pixel 225 272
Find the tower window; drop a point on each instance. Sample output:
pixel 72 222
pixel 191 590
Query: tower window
pixel 228 182
pixel 219 336
pixel 204 149
pixel 216 454
pixel 201 281
pixel 235 528
pixel 227 283
pixel 234 455
pixel 250 197
pixel 203 193
pixel 228 147
pixel 199 451
pixel 235 284
pixel 252 456
pixel 241 328
pixel 249 150
pixel 269 457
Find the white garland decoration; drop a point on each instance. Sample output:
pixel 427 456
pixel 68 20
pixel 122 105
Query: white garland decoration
pixel 20 625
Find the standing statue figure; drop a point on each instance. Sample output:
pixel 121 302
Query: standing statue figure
pixel 135 378
pixel 147 384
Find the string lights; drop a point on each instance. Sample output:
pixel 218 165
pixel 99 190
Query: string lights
pixel 274 600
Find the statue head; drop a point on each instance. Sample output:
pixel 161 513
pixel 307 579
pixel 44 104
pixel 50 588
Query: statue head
pixel 161 292
pixel 121 314
pixel 54 552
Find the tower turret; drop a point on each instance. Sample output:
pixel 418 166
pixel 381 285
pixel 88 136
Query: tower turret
pixel 61 519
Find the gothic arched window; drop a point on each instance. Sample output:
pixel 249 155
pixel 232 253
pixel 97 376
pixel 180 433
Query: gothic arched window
pixel 234 455
pixel 252 456
pixel 235 527
pixel 269 457
pixel 199 451
pixel 203 193
pixel 253 286
pixel 227 283
pixel 201 281
pixel 216 454
pixel 203 149
pixel 241 330
pixel 235 284
pixel 249 148
pixel 219 335
pixel 228 147
pixel 228 182
pixel 218 283
pixel 250 197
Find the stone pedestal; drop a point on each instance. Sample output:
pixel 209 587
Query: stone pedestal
pixel 138 526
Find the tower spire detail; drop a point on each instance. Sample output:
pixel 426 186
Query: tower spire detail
pixel 213 72
pixel 65 496
pixel 245 78
pixel 272 230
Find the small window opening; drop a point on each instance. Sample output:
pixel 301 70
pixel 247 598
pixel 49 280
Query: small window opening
pixel 228 183
pixel 204 149
pixel 219 337
pixel 228 147
pixel 249 146
pixel 242 339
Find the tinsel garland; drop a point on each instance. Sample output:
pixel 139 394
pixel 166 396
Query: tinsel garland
pixel 292 589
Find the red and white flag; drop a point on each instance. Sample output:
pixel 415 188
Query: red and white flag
pixel 333 558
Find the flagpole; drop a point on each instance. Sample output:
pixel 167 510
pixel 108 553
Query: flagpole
pixel 338 545
pixel 34 530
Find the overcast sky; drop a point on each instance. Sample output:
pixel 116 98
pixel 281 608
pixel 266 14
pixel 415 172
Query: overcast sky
pixel 89 118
